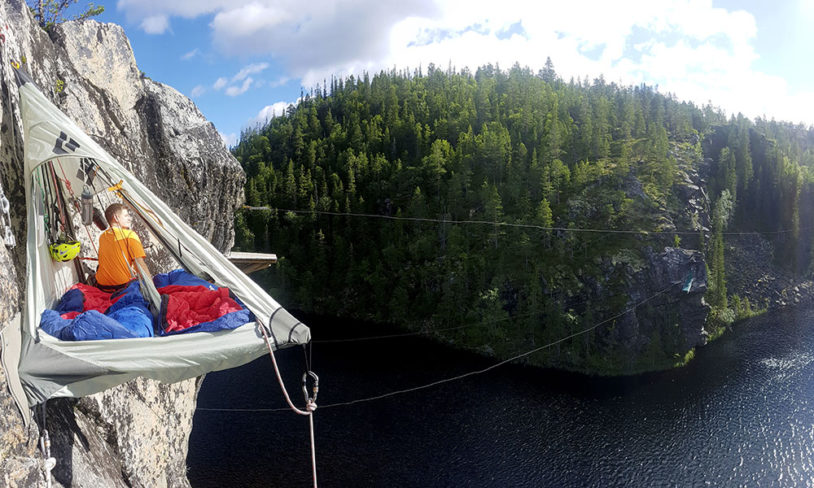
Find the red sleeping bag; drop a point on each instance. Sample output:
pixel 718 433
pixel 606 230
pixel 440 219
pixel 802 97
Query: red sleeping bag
pixel 86 298
pixel 187 306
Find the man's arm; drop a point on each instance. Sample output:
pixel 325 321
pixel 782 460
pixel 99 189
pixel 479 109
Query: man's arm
pixel 140 264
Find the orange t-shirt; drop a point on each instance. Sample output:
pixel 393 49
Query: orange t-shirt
pixel 114 244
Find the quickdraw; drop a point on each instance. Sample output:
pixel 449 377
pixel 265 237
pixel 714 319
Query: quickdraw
pixel 5 207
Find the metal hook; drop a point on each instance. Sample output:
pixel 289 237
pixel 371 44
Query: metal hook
pixel 310 400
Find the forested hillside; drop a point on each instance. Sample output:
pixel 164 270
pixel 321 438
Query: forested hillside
pixel 531 162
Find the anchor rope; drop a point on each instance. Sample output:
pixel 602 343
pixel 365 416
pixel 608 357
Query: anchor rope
pixel 516 224
pixel 458 377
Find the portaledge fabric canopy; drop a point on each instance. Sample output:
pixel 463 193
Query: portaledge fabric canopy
pixel 50 368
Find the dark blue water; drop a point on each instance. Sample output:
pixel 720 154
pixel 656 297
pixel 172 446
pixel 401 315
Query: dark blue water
pixel 741 414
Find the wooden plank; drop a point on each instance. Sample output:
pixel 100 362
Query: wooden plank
pixel 249 262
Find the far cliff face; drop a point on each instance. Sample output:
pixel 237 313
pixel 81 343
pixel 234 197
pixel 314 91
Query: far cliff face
pixel 134 435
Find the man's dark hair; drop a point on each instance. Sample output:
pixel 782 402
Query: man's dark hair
pixel 112 212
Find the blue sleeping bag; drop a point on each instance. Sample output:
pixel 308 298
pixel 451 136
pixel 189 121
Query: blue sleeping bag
pixel 129 317
pixel 181 278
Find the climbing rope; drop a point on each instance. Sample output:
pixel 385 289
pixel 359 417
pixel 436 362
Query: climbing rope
pixel 60 201
pixel 45 447
pixel 310 401
pixel 461 376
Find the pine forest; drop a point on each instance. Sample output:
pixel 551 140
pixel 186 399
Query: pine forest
pixel 501 210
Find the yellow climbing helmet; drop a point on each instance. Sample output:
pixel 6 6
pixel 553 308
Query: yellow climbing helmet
pixel 64 251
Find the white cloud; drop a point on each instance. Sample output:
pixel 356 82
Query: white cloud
pixel 250 69
pixel 269 112
pixel 197 91
pixel 279 81
pixel 220 83
pixel 191 54
pixel 248 20
pixel 229 140
pixel 235 90
pixel 156 24
pixel 688 47
pixel 243 74
pixel 313 34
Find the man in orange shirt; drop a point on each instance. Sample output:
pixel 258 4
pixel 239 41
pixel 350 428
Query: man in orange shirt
pixel 119 249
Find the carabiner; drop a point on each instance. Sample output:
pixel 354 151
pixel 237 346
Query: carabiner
pixel 315 389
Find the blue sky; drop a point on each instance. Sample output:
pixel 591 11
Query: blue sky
pixel 242 61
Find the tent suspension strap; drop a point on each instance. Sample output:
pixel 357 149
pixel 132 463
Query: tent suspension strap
pixel 123 249
pixel 310 401
pixel 45 447
pixel 45 216
pixel 140 209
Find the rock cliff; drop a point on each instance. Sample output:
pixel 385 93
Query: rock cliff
pixel 136 434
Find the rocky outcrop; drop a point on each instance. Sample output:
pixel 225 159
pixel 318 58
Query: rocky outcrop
pixel 136 434
pixel 757 277
pixel 649 322
pixel 667 313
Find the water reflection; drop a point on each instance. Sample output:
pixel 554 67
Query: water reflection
pixel 740 414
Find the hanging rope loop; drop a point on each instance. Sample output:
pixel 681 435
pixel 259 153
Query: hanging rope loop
pixel 310 401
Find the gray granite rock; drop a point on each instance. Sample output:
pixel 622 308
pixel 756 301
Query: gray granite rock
pixel 136 434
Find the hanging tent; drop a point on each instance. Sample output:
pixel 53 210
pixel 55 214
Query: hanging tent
pixel 50 368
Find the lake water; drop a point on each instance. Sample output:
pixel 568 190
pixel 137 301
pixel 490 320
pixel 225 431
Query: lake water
pixel 742 413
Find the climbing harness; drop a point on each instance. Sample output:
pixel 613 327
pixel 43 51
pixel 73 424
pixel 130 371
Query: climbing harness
pixel 45 448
